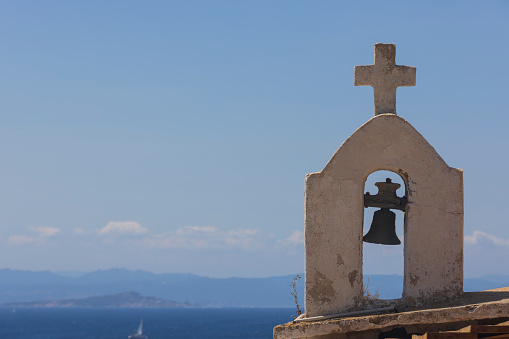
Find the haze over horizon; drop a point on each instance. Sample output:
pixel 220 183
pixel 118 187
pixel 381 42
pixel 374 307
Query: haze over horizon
pixel 175 136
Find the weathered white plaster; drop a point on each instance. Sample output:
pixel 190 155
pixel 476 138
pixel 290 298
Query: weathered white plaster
pixel 334 212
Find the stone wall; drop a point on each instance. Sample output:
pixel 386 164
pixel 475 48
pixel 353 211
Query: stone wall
pixel 334 212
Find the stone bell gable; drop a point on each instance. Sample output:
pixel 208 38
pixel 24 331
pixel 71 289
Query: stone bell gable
pixel 334 213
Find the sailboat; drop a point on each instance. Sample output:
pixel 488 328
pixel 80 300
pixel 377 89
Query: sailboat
pixel 139 334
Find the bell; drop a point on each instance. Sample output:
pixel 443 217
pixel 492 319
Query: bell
pixel 383 228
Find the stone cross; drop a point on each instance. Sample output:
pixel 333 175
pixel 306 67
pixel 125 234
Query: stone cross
pixel 385 76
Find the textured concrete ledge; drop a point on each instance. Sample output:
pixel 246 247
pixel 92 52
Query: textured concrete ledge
pixel 471 307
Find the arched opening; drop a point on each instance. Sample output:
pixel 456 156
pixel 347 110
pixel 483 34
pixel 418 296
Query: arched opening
pixel 383 265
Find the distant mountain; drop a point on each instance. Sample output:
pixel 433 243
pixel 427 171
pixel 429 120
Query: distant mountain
pixel 20 286
pixel 72 274
pixel 126 299
pixel 28 277
pixel 116 275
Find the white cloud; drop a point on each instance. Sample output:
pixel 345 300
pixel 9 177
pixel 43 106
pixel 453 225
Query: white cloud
pixel 21 239
pixel 243 238
pixel 80 231
pixel 195 229
pixel 205 237
pixel 480 237
pixel 190 237
pixel 123 228
pixel 43 233
pixel 174 240
pixel 296 238
pixel 193 237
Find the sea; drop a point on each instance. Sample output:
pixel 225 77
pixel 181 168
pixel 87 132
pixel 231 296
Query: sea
pixel 158 323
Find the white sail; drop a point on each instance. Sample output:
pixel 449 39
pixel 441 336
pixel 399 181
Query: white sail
pixel 140 329
pixel 139 334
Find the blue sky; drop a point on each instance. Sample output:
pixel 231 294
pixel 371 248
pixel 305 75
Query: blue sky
pixel 175 136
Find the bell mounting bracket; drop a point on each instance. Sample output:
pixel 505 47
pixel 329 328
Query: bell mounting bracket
pixel 386 196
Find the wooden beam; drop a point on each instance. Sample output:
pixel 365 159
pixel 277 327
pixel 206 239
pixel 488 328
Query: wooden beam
pixel 445 335
pixel 485 329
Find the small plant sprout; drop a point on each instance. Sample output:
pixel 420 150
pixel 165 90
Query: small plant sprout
pixel 367 295
pixel 295 296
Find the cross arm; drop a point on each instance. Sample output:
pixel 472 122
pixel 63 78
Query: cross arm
pixel 405 75
pixel 363 75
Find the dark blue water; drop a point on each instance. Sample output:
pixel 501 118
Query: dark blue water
pixel 71 323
